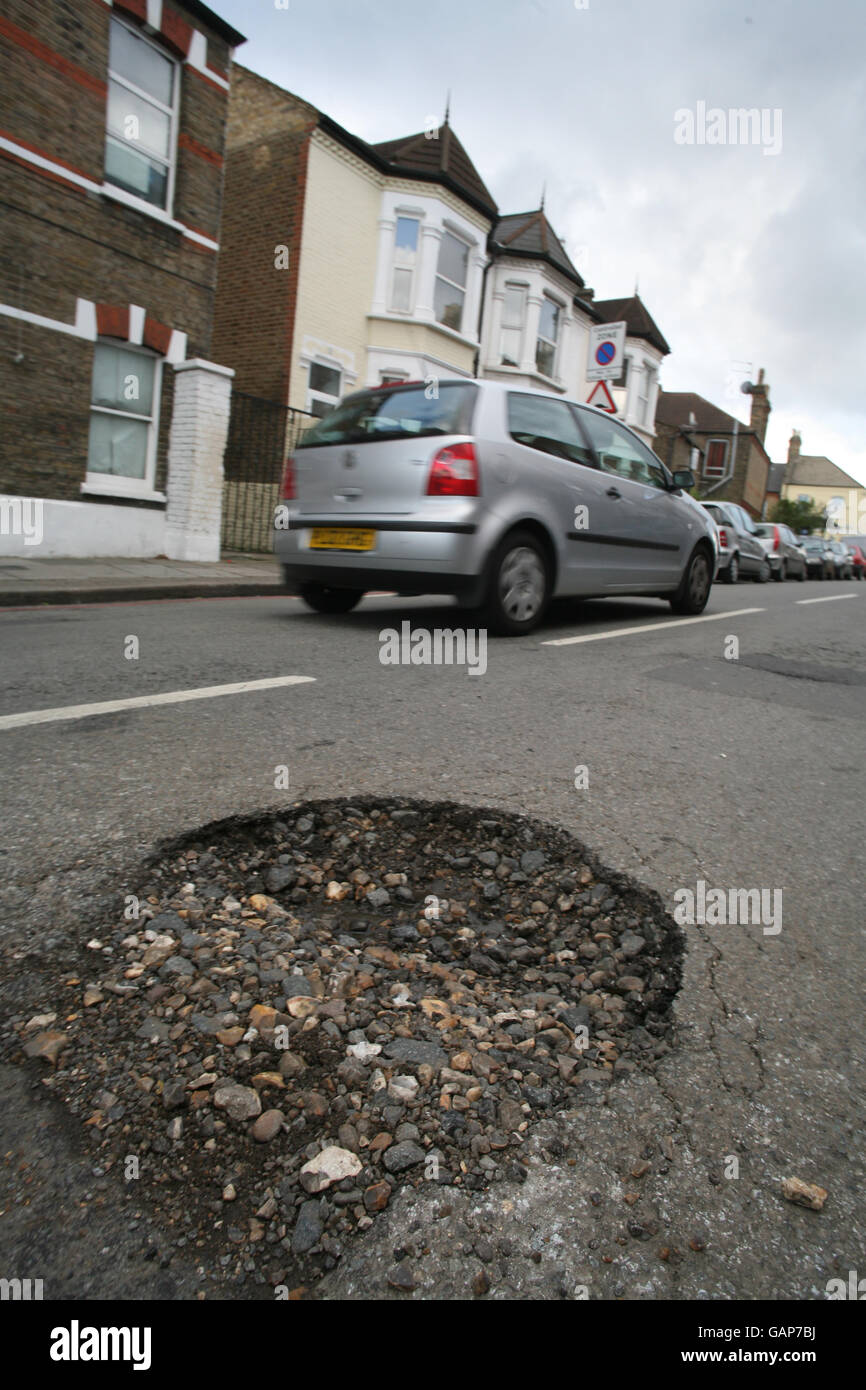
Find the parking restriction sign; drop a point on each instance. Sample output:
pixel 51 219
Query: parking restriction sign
pixel 606 347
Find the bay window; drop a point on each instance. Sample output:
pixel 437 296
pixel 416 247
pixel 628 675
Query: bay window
pixel 405 264
pixel 548 337
pixel 513 317
pixel 450 290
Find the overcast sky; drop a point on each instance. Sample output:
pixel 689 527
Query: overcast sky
pixel 744 259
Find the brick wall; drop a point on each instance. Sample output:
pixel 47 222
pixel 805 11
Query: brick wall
pixel 263 202
pixel 62 242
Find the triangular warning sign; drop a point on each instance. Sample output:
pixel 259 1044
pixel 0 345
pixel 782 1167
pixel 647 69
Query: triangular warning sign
pixel 605 399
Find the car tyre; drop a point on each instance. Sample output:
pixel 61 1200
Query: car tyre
pixel 324 600
pixel 763 573
pixel 732 573
pixel 518 586
pixel 697 581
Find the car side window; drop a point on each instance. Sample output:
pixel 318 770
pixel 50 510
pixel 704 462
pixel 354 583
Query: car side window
pixel 547 425
pixel 620 453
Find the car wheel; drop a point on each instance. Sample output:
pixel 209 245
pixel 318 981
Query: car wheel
pixel 732 573
pixel 694 590
pixel 518 587
pixel 781 573
pixel 802 575
pixel 763 573
pixel 324 600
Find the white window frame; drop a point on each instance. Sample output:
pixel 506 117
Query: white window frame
pixel 727 450
pixel 646 379
pixel 109 484
pixel 394 377
pixel 172 113
pixel 552 342
pixel 419 221
pixel 463 289
pixel 523 291
pixel 324 396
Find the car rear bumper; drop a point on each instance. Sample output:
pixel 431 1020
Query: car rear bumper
pixel 410 555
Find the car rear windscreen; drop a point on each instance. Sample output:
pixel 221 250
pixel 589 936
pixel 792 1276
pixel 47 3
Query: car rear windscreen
pixel 404 413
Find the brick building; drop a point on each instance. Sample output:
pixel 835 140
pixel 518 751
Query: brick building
pixel 728 458
pixel 112 133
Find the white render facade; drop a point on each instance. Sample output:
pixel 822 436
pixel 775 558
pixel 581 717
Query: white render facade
pixel 533 334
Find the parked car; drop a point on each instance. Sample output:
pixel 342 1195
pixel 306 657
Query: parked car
pixel 858 559
pixel 819 561
pixel 741 551
pixel 842 565
pixel 503 497
pixel 784 552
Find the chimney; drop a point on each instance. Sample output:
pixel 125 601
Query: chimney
pixel 794 447
pixel 760 412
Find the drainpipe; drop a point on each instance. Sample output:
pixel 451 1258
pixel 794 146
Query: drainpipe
pixel 481 314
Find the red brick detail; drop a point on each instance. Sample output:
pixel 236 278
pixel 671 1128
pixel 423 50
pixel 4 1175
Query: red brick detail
pixel 43 173
pixel 209 80
pixel 112 321
pixel 175 30
pixel 46 154
pixel 40 50
pixel 156 335
pixel 133 7
pixel 187 142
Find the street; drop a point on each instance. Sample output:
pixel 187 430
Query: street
pixel 744 770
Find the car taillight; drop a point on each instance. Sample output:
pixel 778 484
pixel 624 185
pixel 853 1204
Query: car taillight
pixel 287 486
pixel 776 541
pixel 454 472
pixel 723 538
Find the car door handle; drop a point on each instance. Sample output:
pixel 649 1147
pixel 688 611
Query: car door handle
pixel 614 492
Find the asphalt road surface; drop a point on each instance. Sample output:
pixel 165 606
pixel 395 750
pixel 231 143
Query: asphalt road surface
pixel 746 773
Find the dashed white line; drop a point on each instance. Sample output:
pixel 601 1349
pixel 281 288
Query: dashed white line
pixel 831 598
pixel 168 697
pixel 669 626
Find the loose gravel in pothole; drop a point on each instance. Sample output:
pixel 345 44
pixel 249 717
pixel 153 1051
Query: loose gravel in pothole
pixel 315 1008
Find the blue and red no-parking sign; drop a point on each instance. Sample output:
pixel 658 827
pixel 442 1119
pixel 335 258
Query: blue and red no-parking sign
pixel 605 352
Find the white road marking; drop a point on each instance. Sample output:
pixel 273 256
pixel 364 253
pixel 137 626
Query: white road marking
pixel 669 626
pixel 168 697
pixel 831 598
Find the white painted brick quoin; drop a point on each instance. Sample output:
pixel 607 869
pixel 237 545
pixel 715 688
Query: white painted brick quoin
pixel 197 440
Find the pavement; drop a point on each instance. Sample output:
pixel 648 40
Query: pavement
pixel 743 772
pixel 42 581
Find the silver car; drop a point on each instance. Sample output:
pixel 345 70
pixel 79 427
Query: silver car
pixel 502 497
pixel 741 553
pixel 784 552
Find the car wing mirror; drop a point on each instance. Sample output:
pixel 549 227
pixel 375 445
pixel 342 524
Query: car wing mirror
pixel 684 478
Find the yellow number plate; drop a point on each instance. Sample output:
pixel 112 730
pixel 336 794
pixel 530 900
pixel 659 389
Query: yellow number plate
pixel 332 538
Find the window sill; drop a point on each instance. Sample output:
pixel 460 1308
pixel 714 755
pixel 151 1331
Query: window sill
pixel 105 492
pixel 396 317
pixel 129 200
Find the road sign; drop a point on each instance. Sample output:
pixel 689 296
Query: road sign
pixel 606 347
pixel 601 398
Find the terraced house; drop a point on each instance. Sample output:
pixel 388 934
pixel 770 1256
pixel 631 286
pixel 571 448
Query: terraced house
pixel 112 133
pixel 728 458
pixel 347 264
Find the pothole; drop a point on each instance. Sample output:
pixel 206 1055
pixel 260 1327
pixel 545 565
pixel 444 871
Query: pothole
pixel 316 1008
